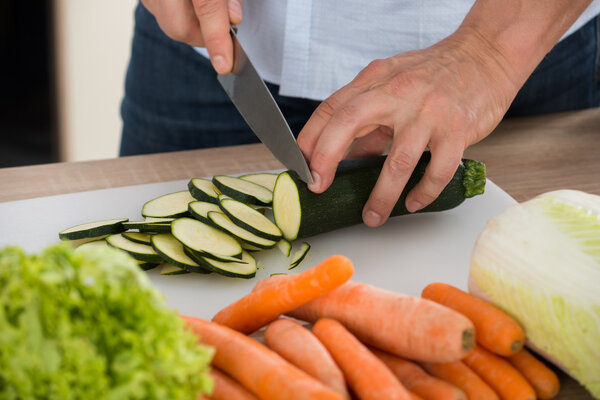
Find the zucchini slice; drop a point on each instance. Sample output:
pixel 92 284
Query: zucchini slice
pixel 148 227
pixel 205 239
pixel 223 222
pixel 92 244
pixel 246 268
pixel 139 251
pixel 285 247
pixel 249 219
pixel 200 210
pixel 242 190
pixel 299 255
pixel 93 229
pixel 300 213
pixel 170 269
pixel 138 237
pixel 159 220
pixel 266 179
pixel 203 190
pixel 171 251
pixel 168 205
pixel 146 266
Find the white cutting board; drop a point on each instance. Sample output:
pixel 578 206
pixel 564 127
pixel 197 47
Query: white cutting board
pixel 404 255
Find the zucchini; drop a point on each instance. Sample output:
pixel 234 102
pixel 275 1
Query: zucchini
pixel 171 251
pixel 204 239
pixel 200 209
pixel 146 266
pixel 242 190
pixel 139 251
pixel 266 179
pixel 169 205
pixel 138 237
pixel 93 229
pixel 285 247
pixel 246 268
pixel 222 221
pixel 92 244
pixel 300 213
pixel 148 227
pixel 170 269
pixel 159 220
pixel 299 255
pixel 203 190
pixel 250 219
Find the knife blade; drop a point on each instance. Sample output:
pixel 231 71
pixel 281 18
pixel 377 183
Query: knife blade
pixel 253 100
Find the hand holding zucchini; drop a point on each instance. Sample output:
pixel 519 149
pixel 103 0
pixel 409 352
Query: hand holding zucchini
pixel 300 213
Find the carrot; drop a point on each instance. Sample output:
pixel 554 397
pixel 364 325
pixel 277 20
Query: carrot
pixel 258 368
pixel 499 374
pixel 415 379
pixel 226 388
pixel 300 347
pixel 403 325
pixel 463 377
pixel 414 396
pixel 260 307
pixel 366 375
pixel 543 379
pixel 496 330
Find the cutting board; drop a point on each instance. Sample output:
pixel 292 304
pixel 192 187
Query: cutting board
pixel 404 255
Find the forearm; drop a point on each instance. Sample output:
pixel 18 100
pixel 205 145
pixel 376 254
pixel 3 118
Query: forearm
pixel 520 32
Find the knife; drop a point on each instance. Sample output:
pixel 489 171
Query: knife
pixel 253 100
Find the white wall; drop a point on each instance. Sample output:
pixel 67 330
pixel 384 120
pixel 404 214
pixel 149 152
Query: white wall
pixel 93 39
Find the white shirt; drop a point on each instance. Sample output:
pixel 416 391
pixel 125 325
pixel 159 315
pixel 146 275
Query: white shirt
pixel 311 48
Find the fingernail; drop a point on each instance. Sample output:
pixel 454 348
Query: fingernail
pixel 219 64
pixel 316 181
pixel 413 205
pixel 372 219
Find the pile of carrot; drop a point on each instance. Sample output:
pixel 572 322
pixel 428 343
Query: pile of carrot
pixel 368 343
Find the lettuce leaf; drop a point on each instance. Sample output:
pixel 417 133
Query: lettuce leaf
pixel 88 324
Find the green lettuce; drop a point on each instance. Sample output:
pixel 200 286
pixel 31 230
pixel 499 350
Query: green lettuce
pixel 89 325
pixel 540 262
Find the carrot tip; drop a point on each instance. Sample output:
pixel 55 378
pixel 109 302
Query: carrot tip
pixel 468 339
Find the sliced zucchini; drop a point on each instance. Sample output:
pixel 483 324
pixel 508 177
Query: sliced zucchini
pixel 249 247
pixel 93 229
pixel 170 269
pixel 242 190
pixel 148 227
pixel 171 251
pixel 299 255
pixel 300 213
pixel 139 251
pixel 168 205
pixel 285 247
pixel 245 269
pixel 223 222
pixel 197 256
pixel 138 237
pixel 159 220
pixel 146 266
pixel 200 209
pixel 266 179
pixel 92 244
pixel 203 238
pixel 203 190
pixel 249 219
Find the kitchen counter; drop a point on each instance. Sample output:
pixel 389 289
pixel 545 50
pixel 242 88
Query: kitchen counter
pixel 524 156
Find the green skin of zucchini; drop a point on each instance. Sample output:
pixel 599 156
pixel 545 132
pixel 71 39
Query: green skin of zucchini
pixel 201 195
pixel 341 205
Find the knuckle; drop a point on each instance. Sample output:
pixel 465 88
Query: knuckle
pixel 439 179
pixel 347 115
pixel 327 108
pixel 374 69
pixel 208 7
pixel 381 204
pixel 319 160
pixel 400 163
